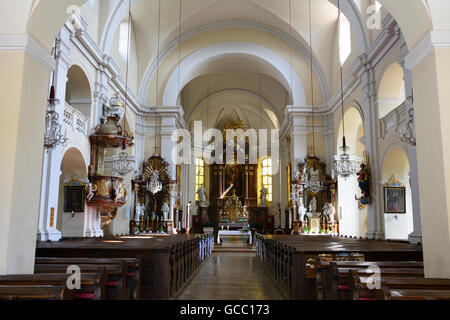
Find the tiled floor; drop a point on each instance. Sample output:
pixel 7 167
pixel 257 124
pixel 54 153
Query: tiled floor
pixel 231 276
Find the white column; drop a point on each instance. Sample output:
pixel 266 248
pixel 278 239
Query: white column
pixel 51 170
pixel 371 127
pixel 416 235
pixel 170 121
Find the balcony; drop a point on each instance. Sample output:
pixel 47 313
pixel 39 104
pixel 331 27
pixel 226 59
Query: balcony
pixel 76 121
pixel 394 121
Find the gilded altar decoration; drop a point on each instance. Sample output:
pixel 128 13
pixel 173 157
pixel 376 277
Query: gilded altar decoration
pixel 153 190
pixel 364 182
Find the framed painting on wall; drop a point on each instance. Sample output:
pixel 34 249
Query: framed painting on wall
pixel 74 196
pixel 394 197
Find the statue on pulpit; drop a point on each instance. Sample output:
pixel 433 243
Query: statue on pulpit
pixel 263 197
pixel 202 201
pixel 165 211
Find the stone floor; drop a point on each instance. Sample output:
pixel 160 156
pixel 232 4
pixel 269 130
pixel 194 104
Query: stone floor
pixel 231 276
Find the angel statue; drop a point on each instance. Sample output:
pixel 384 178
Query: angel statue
pixel 91 189
pixel 263 197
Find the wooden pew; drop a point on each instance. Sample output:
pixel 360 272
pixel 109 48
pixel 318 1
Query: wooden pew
pixel 415 294
pixel 168 261
pixel 35 292
pixel 340 285
pixel 116 276
pixel 306 249
pixel 92 284
pixel 133 269
pixel 360 291
pixel 323 271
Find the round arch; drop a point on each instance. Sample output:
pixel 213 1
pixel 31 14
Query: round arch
pixel 79 90
pixel 396 164
pixel 391 89
pixel 190 64
pixel 354 130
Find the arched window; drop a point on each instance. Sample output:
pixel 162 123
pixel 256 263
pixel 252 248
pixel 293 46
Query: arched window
pixel 266 176
pixel 345 39
pixel 124 40
pixel 199 175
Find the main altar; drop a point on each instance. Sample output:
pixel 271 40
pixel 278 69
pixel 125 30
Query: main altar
pixel 233 194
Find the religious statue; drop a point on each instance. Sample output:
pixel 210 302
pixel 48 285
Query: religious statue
pixel 115 109
pixel 328 212
pixel 313 205
pixel 302 211
pixel 364 185
pixel 263 197
pixel 165 210
pixel 140 211
pixel 202 201
pixel 175 193
pixel 91 189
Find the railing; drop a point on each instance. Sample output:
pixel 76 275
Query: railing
pixel 75 120
pixel 393 121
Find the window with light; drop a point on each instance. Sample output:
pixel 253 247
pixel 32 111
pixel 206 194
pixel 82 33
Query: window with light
pixel 266 175
pixel 199 175
pixel 124 40
pixel 345 39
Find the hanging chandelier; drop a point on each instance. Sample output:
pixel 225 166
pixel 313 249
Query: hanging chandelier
pixel 154 185
pixel 313 181
pixel 343 166
pixel 123 164
pixel 52 135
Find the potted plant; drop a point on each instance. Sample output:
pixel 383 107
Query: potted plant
pixel 208 227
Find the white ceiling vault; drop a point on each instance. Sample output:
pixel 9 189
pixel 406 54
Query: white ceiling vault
pixel 225 32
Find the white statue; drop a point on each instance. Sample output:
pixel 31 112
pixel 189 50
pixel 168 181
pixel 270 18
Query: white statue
pixel 313 205
pixel 263 197
pixel 165 210
pixel 140 211
pixel 203 203
pixel 302 211
pixel 91 189
pixel 176 194
pixel 328 211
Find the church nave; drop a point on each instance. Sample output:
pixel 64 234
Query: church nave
pixel 231 276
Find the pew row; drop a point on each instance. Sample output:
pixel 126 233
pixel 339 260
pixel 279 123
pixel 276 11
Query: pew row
pixel 92 284
pixel 290 260
pixel 167 262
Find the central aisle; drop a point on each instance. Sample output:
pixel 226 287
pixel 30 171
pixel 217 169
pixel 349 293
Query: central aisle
pixel 231 276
